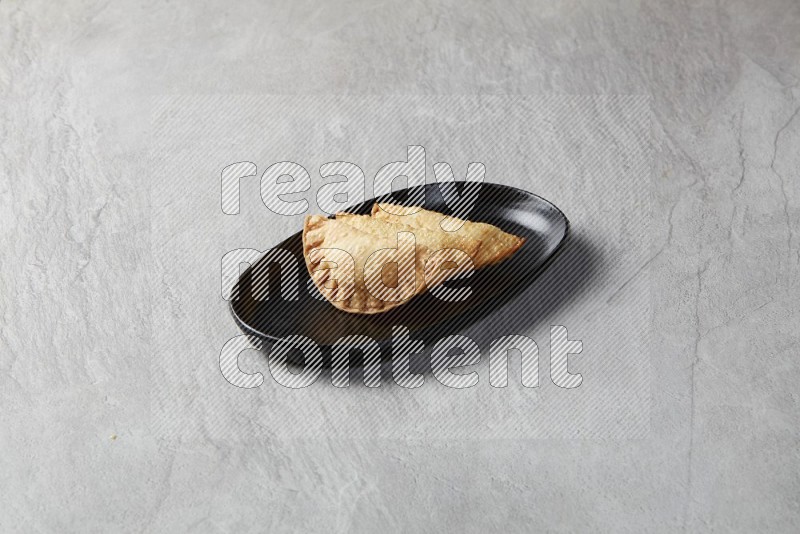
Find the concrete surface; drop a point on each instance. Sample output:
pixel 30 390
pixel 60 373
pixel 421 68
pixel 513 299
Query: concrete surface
pixel 82 433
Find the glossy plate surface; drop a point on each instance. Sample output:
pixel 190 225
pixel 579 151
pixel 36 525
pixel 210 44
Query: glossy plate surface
pixel 521 213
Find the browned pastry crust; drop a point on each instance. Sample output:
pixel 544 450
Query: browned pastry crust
pixel 496 245
pixel 353 259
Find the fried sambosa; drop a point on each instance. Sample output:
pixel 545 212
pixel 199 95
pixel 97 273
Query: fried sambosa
pixel 371 264
pixel 364 265
pixel 495 244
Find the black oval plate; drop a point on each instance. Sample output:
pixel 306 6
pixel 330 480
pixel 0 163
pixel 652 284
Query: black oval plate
pixel 427 318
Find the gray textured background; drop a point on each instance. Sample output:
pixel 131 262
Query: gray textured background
pixel 79 323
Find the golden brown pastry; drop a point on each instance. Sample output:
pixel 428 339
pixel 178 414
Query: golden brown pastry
pixel 364 264
pixel 431 239
pixel 496 245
